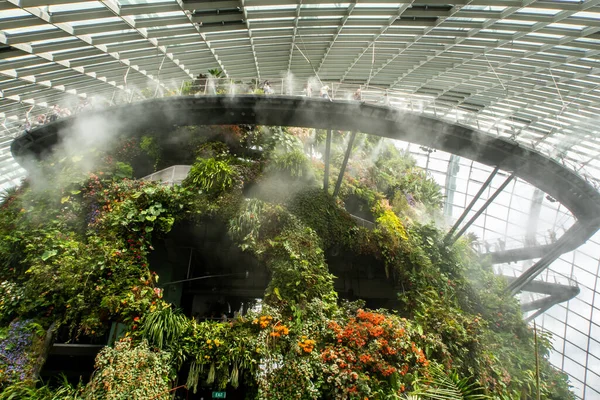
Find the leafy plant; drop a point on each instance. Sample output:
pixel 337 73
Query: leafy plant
pixel 130 371
pixel 292 163
pixel 150 146
pixel 450 386
pixel 216 73
pixel 211 175
pixel 164 328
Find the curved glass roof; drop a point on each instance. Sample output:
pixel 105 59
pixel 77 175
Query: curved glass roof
pixel 525 70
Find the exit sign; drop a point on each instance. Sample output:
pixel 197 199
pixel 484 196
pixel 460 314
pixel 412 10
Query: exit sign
pixel 219 395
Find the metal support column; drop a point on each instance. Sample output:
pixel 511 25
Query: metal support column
pixel 482 209
pixel 327 156
pixel 561 245
pixel 534 216
pixel 450 185
pixel 471 204
pixel 344 163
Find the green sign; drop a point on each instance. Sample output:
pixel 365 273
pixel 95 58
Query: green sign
pixel 219 395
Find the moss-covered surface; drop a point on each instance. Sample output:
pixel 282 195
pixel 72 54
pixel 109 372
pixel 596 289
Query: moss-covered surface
pixel 75 253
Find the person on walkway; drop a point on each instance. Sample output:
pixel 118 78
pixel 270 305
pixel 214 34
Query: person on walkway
pixel 325 92
pixel 27 125
pixel 386 100
pixel 54 113
pixel 307 90
pixel 267 88
pixel 357 95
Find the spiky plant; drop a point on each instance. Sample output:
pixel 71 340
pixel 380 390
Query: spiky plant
pixel 449 386
pixel 163 328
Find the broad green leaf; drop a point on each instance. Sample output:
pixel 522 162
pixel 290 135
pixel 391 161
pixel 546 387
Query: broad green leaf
pixel 48 254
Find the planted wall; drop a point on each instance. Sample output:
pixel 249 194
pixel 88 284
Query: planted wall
pixel 76 244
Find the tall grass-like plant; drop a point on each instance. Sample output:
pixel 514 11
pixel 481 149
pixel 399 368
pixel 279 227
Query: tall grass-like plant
pixel 7 193
pixel 26 390
pixel 163 328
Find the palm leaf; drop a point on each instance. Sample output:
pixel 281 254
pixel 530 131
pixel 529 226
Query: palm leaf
pixel 450 386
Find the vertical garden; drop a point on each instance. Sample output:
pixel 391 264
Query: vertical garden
pixel 76 239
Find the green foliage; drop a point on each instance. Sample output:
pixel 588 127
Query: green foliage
pixel 11 295
pixel 450 386
pixel 86 240
pixel 123 170
pixel 246 226
pixel 24 390
pixel 292 163
pixel 7 194
pixel 319 211
pixel 290 250
pixel 149 145
pixel 211 176
pixel 130 371
pixel 186 88
pixel 423 188
pixel 298 266
pixel 216 73
pixel 223 354
pixel 281 141
pixel 164 328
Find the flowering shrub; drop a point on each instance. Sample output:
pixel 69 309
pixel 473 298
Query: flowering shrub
pixel 307 345
pixel 130 371
pixel 17 353
pixel 223 353
pixel 371 352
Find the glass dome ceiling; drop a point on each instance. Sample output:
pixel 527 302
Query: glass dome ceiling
pixel 527 71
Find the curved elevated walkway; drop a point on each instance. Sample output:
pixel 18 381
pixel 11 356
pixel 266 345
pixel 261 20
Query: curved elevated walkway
pixel 548 175
pixel 564 185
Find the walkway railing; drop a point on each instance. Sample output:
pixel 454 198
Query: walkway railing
pixel 416 103
pixel 547 276
pixel 169 176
